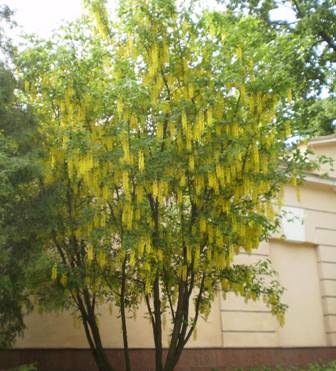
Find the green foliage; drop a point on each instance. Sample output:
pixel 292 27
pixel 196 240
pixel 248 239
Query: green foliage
pixel 323 115
pixel 312 60
pixel 19 189
pixel 25 367
pixel 18 192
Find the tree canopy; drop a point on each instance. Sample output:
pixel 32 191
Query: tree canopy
pixel 167 132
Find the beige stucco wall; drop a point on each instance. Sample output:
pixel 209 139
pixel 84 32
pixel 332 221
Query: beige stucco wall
pixel 60 330
pixel 298 272
pixel 306 267
pixel 306 263
pixel 248 324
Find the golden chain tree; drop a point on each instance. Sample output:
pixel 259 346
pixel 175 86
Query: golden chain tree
pixel 164 141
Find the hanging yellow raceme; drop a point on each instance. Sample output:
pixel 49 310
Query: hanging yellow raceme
pixel 64 279
pixel 184 121
pixel 210 116
pixel 89 253
pixel 54 272
pixel 101 259
pixel 141 163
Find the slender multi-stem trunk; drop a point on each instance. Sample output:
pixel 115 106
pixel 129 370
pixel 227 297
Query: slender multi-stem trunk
pixel 72 255
pixel 183 328
pixel 86 308
pixel 179 334
pixel 156 312
pixel 118 220
pixel 123 317
pixel 157 329
pixel 177 328
pixel 96 347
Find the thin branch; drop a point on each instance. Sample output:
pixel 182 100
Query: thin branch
pixel 169 295
pixel 197 309
pixel 150 309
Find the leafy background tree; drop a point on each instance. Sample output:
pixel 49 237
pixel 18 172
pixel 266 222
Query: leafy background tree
pixel 313 60
pixel 19 206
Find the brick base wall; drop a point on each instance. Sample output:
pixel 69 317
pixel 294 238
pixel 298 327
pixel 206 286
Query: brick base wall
pixel 200 359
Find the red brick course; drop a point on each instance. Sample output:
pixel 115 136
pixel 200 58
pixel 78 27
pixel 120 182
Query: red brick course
pixel 194 359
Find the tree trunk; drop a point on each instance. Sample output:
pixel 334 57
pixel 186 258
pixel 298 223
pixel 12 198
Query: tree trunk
pixel 123 318
pixel 158 327
pixel 99 353
pixel 96 349
pixel 100 357
pixel 93 335
pixel 170 360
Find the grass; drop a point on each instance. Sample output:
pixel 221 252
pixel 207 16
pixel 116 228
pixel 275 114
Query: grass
pixel 27 367
pixel 313 367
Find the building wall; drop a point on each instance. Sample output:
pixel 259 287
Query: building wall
pixel 60 330
pixel 298 272
pixel 248 324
